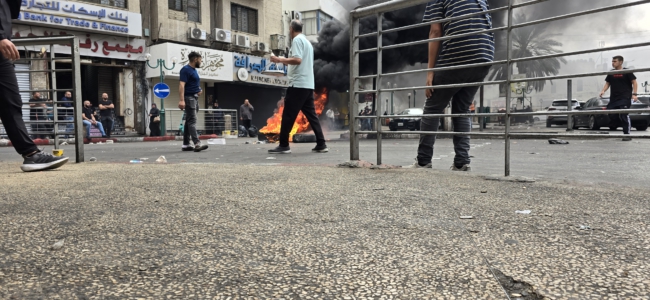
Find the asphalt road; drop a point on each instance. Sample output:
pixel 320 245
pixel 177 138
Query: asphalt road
pixel 609 161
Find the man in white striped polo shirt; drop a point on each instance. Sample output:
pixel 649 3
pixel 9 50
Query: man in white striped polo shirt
pixel 468 49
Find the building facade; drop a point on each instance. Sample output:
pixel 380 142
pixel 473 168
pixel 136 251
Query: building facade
pixel 111 50
pixel 235 39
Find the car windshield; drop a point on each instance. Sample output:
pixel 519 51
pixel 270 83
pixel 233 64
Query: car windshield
pixel 413 111
pixel 563 103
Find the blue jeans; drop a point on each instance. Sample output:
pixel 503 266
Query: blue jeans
pixel 461 99
pixel 98 125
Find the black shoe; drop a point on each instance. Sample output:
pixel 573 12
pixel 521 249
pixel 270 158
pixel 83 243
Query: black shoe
pixel 320 149
pixel 626 139
pixel 199 147
pixel 42 161
pixel 188 148
pixel 280 150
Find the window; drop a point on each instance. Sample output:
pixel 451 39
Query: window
pixel 116 3
pixel 322 19
pixel 243 19
pixel 310 23
pixel 192 7
pixel 579 85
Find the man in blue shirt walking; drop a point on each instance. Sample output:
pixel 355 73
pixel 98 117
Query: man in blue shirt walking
pixel 189 92
pixel 472 49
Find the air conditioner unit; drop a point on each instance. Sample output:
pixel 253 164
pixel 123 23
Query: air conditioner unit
pixel 242 41
pixel 222 35
pixel 278 42
pixel 261 47
pixel 198 34
pixel 296 15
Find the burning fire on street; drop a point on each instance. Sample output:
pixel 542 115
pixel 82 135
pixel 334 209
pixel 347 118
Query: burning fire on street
pixel 273 124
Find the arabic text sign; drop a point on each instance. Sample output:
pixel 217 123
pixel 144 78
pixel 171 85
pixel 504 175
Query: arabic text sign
pixel 256 64
pixel 94 45
pixel 161 90
pixel 75 15
pixel 216 65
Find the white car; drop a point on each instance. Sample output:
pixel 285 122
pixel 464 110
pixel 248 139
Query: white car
pixel 541 118
pixel 561 105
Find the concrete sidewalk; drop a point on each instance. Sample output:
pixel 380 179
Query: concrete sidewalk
pixel 233 231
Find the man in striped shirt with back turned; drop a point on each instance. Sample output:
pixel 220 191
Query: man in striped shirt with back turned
pixel 471 49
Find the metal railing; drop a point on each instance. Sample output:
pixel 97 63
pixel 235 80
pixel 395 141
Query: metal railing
pixel 46 120
pixel 379 9
pixel 209 121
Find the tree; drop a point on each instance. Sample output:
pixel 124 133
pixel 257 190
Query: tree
pixel 532 41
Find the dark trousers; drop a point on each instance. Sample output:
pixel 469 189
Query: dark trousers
pixel 154 127
pixel 246 123
pixel 622 120
pixel 107 122
pixel 297 100
pixel 461 99
pixel 11 112
pixel 189 130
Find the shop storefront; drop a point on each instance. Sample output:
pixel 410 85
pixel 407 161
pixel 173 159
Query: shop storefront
pixel 217 67
pixel 248 82
pixel 110 48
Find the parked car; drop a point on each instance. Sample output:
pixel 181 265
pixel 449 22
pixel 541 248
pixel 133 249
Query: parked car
pixel 640 121
pixel 541 118
pixel 560 105
pixel 410 123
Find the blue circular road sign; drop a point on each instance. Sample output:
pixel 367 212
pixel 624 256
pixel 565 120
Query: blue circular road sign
pixel 161 90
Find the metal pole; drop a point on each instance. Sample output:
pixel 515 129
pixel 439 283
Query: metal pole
pixel 163 130
pixel 414 94
pixel 392 108
pixel 569 104
pixel 508 89
pixel 380 17
pixel 76 87
pixel 481 120
pixel 55 107
pixel 354 72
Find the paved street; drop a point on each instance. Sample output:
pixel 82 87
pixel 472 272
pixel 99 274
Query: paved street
pixel 230 222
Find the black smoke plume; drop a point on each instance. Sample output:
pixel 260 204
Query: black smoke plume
pixel 332 51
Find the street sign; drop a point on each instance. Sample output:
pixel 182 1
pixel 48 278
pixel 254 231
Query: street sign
pixel 161 90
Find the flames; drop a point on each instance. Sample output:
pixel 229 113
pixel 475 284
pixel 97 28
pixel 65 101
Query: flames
pixel 273 124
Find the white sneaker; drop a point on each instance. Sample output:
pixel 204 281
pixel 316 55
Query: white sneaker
pixel 416 165
pixel 464 168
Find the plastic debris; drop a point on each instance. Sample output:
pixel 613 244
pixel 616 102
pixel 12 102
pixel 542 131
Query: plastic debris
pixel 466 217
pixel 64 143
pixel 220 141
pixel 109 141
pixel 557 142
pixel 270 158
pixel 59 244
pixel 93 159
pixel 135 161
pixel 161 160
pixel 585 227
pixel 523 212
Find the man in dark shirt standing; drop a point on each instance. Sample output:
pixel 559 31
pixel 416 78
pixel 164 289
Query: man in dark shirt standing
pixel 190 90
pixel 624 87
pixel 246 114
pixel 106 114
pixel 89 119
pixel 11 104
pixel 472 49
pixel 67 112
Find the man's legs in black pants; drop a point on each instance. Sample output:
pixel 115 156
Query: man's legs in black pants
pixel 462 99
pixel 107 122
pixel 296 100
pixel 247 124
pixel 11 112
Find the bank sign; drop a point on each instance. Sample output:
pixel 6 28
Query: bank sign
pixel 254 66
pixel 81 17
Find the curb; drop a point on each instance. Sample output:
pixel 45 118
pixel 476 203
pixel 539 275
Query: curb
pixel 48 142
